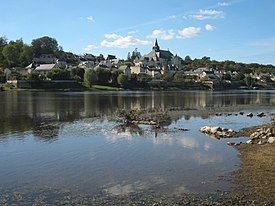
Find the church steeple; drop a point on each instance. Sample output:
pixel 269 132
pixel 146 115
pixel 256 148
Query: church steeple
pixel 156 47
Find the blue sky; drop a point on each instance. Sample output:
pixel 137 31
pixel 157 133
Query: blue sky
pixel 239 30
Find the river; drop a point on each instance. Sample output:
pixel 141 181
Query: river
pixel 68 141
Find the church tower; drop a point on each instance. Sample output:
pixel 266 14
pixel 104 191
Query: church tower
pixel 156 47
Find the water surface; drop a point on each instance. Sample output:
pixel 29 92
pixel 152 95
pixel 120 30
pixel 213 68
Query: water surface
pixel 68 141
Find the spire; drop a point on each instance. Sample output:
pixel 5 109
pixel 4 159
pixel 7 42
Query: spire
pixel 156 47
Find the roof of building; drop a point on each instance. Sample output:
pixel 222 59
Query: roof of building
pixel 45 67
pixel 158 53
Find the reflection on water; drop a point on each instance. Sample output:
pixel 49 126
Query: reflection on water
pixel 70 141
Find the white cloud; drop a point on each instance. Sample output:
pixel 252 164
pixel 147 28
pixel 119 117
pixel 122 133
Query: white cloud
pixel 162 34
pixel 209 27
pixel 207 14
pixel 133 32
pixel 189 32
pixel 172 17
pixel 90 47
pixel 123 41
pixel 223 4
pixel 90 18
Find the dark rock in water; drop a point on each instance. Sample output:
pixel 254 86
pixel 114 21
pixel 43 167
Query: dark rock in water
pixel 261 114
pixel 250 114
pixel 182 129
pixel 218 114
pixel 241 113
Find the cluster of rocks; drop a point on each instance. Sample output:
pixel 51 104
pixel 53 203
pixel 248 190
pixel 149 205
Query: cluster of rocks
pixel 250 114
pixel 217 132
pixel 262 136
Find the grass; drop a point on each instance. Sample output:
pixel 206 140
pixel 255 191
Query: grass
pixel 100 87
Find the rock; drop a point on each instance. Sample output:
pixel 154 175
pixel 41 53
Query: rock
pixel 261 142
pixel 214 130
pixel 217 132
pixel 250 114
pixel 218 114
pixel 254 135
pixel 241 113
pixel 271 140
pixel 249 142
pixel 181 129
pixel 261 114
pixel 230 143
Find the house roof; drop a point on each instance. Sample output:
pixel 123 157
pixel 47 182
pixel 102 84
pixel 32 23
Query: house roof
pixel 45 67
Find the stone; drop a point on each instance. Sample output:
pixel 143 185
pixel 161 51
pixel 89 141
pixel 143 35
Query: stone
pixel 261 114
pixel 241 113
pixel 271 140
pixel 249 142
pixel 230 143
pixel 250 114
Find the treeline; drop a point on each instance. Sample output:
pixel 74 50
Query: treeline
pixel 227 65
pixel 19 54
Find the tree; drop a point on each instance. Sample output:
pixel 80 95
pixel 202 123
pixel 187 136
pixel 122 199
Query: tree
pixel 45 45
pixel 123 80
pixel 26 55
pixel 11 54
pixel 240 76
pixel 249 81
pixel 227 76
pixel 14 75
pixel 3 43
pixel 104 76
pixel 187 60
pixel 58 74
pixel 34 75
pixel 90 77
pixel 78 72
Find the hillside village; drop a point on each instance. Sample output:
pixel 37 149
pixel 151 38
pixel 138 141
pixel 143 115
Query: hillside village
pixel 156 69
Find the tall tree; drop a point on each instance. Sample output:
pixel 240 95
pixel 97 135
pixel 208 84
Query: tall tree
pixel 45 45
pixel 3 43
pixel 11 55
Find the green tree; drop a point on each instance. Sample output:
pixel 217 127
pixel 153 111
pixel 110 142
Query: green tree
pixel 123 80
pixel 34 75
pixel 14 75
pixel 11 55
pixel 78 72
pixel 240 76
pixel 104 76
pixel 3 43
pixel 26 55
pixel 227 76
pixel 90 77
pixel 58 74
pixel 249 81
pixel 45 45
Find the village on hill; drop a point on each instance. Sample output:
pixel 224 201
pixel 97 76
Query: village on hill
pixel 44 64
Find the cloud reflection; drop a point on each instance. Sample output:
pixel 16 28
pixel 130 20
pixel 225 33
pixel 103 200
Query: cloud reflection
pixel 189 142
pixel 204 159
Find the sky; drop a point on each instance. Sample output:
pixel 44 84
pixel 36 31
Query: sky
pixel 238 30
